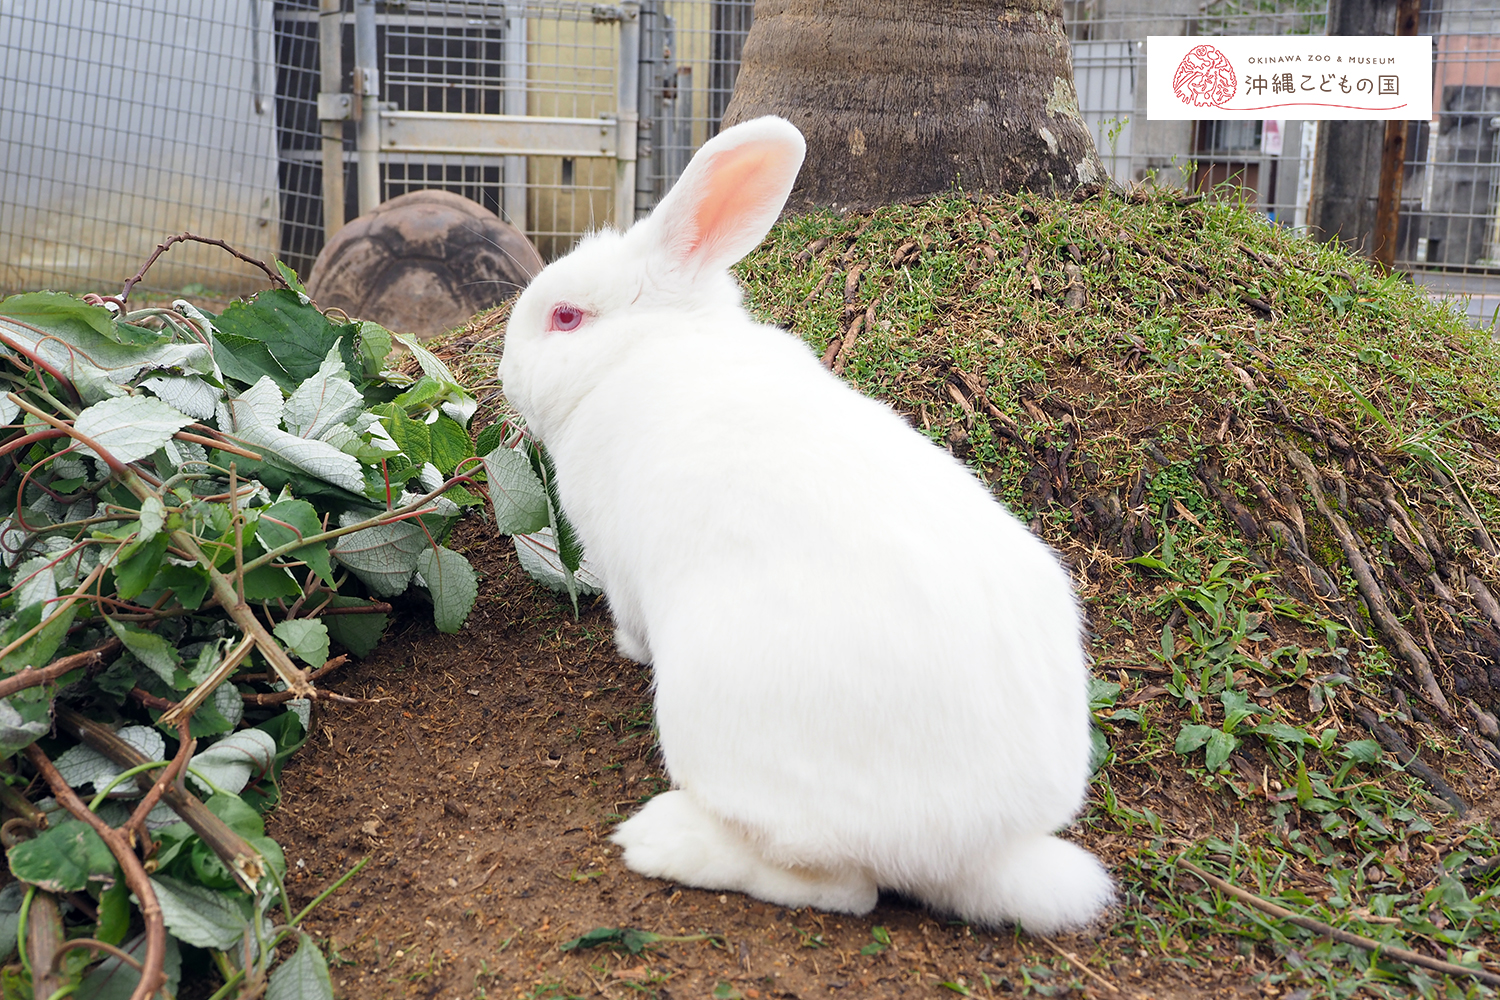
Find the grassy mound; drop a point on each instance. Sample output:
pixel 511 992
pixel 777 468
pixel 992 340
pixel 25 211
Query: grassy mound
pixel 1273 472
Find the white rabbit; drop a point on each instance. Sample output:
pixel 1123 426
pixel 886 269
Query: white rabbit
pixel 868 673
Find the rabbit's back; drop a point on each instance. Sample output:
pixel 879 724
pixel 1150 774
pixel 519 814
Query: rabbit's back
pixel 854 645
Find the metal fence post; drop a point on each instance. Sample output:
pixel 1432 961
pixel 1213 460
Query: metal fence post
pixel 513 168
pixel 628 85
pixel 367 89
pixel 331 84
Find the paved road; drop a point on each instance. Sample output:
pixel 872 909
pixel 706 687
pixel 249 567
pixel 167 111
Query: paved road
pixel 1475 295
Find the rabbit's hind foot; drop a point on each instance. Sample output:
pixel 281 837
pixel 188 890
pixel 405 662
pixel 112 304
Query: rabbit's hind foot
pixel 1042 883
pixel 674 838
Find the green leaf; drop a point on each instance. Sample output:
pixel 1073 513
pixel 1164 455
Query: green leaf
pixel 228 765
pixel 619 938
pixel 1102 693
pixel 63 858
pixel 294 333
pixel 452 583
pixel 359 634
pixel 285 522
pixel 199 916
pixel 267 583
pixel 58 310
pixel 517 496
pixel 114 913
pixel 134 575
pixel 1191 737
pixel 304 976
pixel 1220 746
pixel 412 436
pixel 129 427
pixel 307 637
pixel 290 277
pixel 159 655
pixel 450 444
pixel 1304 785
pixel 24 717
pixel 490 438
pixel 383 557
pixel 325 402
pixel 36 651
pixel 188 583
pixel 247 360
pixel 1364 751
pixel 373 346
pixel 112 979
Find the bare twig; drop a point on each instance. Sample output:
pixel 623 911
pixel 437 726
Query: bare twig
pixel 44 936
pixel 1079 964
pixel 1374 596
pixel 166 244
pixel 31 677
pixel 1408 759
pixel 1318 927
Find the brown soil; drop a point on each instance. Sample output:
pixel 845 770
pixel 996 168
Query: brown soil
pixel 483 787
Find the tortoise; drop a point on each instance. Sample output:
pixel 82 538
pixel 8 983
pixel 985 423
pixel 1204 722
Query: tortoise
pixel 422 263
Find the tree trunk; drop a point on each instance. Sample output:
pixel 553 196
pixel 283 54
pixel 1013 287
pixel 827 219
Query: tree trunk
pixel 900 99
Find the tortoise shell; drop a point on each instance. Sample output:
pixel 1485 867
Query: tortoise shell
pixel 422 263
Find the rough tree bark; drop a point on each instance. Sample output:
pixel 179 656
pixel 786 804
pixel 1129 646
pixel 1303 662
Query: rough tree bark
pixel 900 99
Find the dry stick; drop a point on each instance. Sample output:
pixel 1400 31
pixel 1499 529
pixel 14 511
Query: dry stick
pixel 1080 965
pixel 153 978
pixel 162 248
pixel 1408 760
pixel 209 442
pixel 1364 578
pixel 243 860
pixel 44 935
pixel 1318 927
pixel 186 745
pixel 31 677
pixel 185 708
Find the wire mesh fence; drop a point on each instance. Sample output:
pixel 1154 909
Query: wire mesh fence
pixel 126 120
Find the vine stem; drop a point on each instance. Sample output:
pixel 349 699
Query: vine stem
pixel 1318 927
pixel 152 976
pixel 31 677
pixel 185 237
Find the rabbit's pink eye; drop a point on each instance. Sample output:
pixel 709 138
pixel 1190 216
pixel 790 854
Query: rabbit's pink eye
pixel 565 317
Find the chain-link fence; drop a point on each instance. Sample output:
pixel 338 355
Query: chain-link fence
pixel 122 121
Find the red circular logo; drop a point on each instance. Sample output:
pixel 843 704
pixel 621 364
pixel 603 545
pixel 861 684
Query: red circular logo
pixel 1204 78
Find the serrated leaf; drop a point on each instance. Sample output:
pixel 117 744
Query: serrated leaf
pixel 290 277
pixel 63 858
pixel 452 583
pixel 538 556
pixel 25 717
pixel 373 346
pixel 81 766
pixel 134 575
pixel 489 439
pixel 517 496
pixel 198 916
pixel 294 334
pixel 359 634
pixel 153 516
pixel 383 557
pixel 187 393
pixel 35 582
pixel 98 366
pixel 230 763
pixel 1364 751
pixel 159 655
pixel 285 522
pixel 129 427
pixel 412 436
pixel 450 445
pixel 307 637
pixel 328 399
pixel 48 309
pixel 304 976
pixel 254 417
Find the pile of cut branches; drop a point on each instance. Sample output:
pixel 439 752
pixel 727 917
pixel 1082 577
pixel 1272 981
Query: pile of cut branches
pixel 195 509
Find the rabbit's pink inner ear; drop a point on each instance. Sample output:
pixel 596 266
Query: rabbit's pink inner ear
pixel 737 200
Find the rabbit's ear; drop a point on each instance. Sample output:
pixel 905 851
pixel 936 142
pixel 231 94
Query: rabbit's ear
pixel 729 196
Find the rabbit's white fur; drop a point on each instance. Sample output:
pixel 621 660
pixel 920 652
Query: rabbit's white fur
pixel 867 672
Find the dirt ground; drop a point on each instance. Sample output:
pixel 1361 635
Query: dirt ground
pixel 483 786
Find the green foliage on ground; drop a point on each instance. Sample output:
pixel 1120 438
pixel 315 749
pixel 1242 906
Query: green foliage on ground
pixel 1273 471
